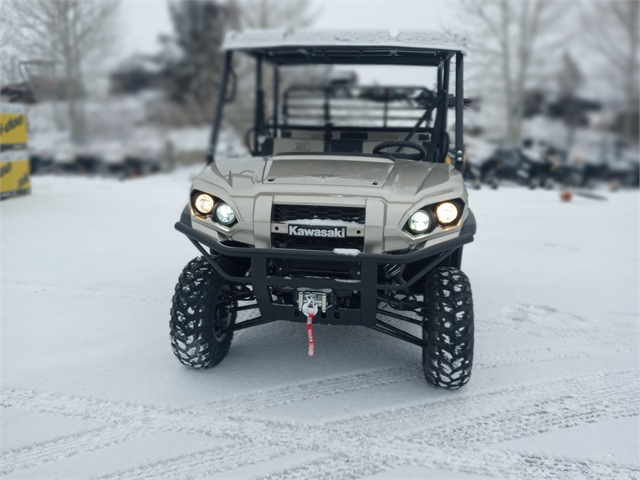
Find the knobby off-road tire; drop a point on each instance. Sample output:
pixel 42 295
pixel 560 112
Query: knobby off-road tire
pixel 448 328
pixel 199 311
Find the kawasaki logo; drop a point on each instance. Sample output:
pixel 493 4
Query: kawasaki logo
pixel 334 232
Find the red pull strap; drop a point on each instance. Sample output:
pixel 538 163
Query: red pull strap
pixel 310 316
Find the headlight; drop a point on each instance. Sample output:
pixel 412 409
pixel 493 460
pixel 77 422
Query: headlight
pixel 225 214
pixel 204 203
pixel 420 221
pixel 447 213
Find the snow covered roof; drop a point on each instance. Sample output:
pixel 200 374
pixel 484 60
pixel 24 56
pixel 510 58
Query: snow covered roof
pixel 262 42
pixel 12 108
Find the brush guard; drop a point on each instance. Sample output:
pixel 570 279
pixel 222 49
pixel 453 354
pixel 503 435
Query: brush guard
pixel 372 294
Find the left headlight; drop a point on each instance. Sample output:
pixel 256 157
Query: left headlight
pixel 225 214
pixel 419 222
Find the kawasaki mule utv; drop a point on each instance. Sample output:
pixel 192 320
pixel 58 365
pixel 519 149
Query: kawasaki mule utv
pixel 349 211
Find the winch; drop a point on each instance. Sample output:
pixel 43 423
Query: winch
pixel 319 298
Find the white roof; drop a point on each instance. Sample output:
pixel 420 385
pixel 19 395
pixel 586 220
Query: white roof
pixel 251 39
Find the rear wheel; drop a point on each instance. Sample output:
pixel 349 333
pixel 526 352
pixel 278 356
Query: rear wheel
pixel 448 329
pixel 201 309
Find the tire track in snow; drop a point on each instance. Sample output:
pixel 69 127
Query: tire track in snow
pixel 502 464
pixel 340 466
pixel 125 422
pixel 151 419
pixel 123 412
pixel 351 382
pixel 105 411
pixel 439 414
pixel 204 464
pixel 544 466
pixel 276 439
pixel 363 461
pixel 507 358
pixel 309 390
pixel 65 447
pixel 366 444
pixel 613 398
pixel 369 459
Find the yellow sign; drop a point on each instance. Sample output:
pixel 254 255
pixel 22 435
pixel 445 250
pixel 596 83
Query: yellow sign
pixel 13 127
pixel 14 174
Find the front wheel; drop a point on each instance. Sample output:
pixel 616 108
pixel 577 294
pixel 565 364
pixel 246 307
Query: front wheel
pixel 201 310
pixel 447 328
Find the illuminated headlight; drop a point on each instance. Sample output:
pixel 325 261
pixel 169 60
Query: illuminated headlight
pixel 225 214
pixel 420 221
pixel 447 213
pixel 204 203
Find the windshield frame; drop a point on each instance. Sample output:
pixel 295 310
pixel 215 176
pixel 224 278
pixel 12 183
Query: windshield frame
pixel 289 56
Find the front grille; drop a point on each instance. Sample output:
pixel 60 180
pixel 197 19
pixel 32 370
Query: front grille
pixel 282 240
pixel 285 213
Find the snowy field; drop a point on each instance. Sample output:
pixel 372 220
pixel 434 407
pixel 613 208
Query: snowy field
pixel 92 390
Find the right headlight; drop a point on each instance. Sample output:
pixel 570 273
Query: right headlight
pixel 420 222
pixel 204 203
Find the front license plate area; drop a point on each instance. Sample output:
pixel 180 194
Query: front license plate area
pixel 316 231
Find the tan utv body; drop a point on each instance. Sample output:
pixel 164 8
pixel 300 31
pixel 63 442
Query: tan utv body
pixel 390 191
pixel 334 222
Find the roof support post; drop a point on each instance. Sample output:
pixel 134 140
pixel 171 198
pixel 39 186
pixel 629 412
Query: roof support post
pixel 445 90
pixel 459 151
pixel 258 132
pixel 217 115
pixel 440 124
pixel 276 98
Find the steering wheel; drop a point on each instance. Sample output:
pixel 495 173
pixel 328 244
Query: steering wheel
pixel 421 155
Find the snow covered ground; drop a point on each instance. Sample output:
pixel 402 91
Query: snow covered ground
pixel 91 388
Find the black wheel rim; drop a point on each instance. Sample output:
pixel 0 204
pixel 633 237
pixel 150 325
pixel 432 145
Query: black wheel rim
pixel 224 314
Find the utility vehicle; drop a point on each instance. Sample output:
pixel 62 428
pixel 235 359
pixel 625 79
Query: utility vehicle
pixel 349 210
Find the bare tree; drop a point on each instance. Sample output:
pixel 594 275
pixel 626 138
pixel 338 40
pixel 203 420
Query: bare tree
pixel 8 56
pixel 570 79
pixel 192 60
pixel 612 30
pixel 70 33
pixel 192 72
pixel 267 14
pixel 509 37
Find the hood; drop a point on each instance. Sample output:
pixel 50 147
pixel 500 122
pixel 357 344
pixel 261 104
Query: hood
pixel 355 173
pixel 338 171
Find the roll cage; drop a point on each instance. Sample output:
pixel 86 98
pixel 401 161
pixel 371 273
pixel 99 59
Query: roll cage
pixel 344 139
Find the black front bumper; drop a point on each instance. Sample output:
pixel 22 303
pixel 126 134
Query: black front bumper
pixel 368 264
